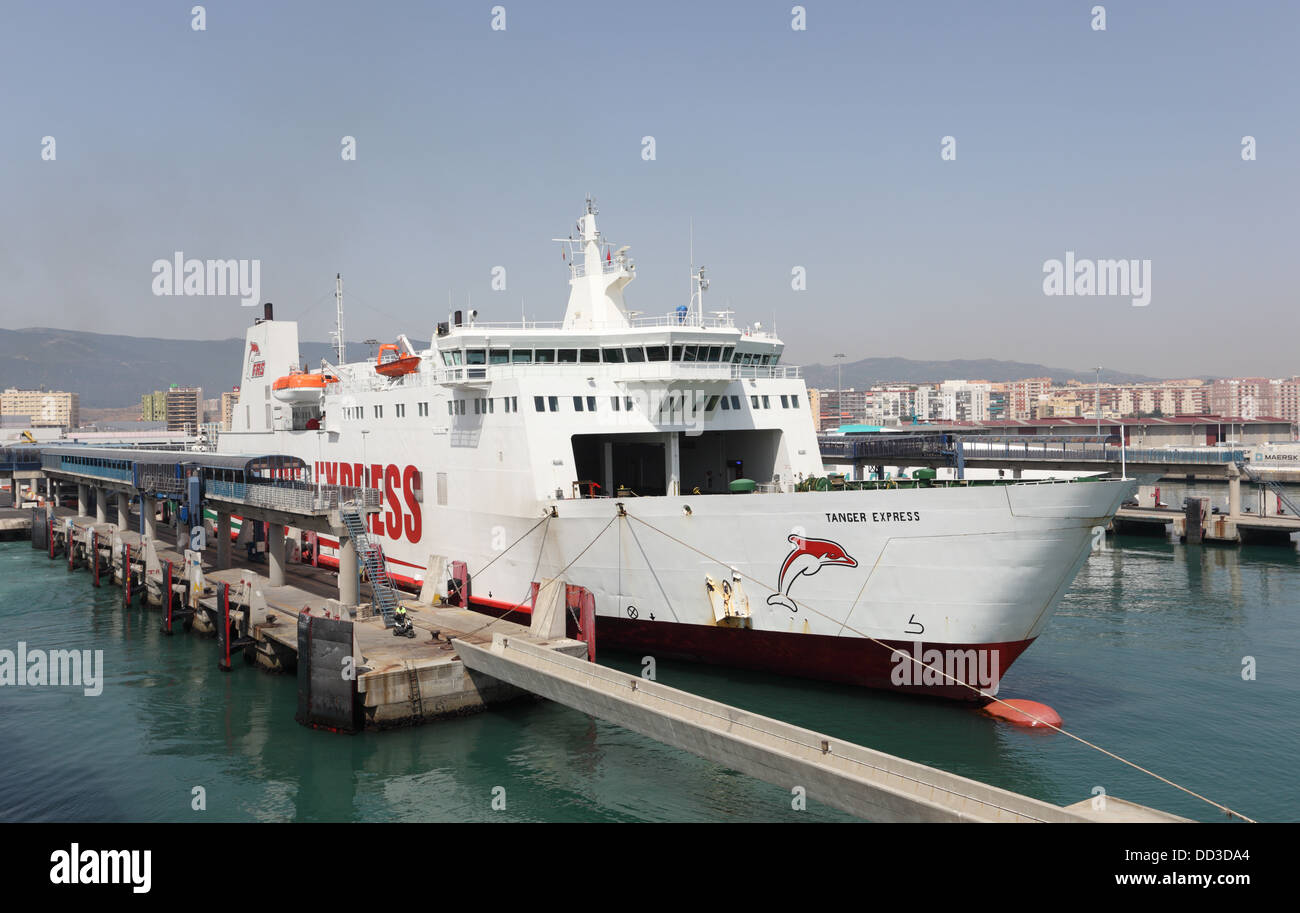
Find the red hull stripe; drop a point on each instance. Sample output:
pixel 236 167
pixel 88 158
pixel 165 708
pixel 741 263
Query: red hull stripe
pixel 327 542
pixel 331 561
pixel 849 660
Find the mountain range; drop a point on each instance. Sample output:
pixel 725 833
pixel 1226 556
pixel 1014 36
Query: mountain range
pixel 109 371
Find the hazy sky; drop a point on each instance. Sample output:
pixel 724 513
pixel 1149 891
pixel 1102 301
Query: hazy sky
pixel 817 148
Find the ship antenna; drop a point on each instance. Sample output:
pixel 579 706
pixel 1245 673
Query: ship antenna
pixel 338 303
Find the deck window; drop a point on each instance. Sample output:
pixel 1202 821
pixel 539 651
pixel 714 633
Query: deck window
pixel 538 404
pixel 656 353
pixel 735 403
pixel 554 403
pixel 635 354
pixel 499 357
pixel 475 356
pixel 726 402
pixel 613 356
pixel 544 356
pixel 589 356
pixel 521 356
pixel 577 404
pixel 568 357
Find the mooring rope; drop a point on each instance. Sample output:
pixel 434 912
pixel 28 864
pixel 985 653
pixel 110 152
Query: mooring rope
pixel 846 625
pixel 555 579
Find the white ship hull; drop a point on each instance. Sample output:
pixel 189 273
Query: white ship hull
pixel 503 427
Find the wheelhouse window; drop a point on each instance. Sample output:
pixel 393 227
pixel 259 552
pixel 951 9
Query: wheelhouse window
pixel 656 353
pixel 635 354
pixel 589 356
pixel 544 356
pixel 475 356
pixel 613 356
pixel 499 357
pixel 521 356
pixel 568 356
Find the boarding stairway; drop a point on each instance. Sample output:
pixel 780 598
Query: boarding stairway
pixel 371 556
pixel 1271 485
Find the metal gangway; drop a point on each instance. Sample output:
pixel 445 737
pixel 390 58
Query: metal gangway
pixel 384 593
pixel 1272 486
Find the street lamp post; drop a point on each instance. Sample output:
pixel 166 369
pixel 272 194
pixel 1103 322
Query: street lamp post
pixel 839 388
pixel 1097 406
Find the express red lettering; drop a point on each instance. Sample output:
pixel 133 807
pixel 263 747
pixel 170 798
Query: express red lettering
pixel 413 520
pixel 393 516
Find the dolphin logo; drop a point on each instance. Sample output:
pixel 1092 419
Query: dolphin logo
pixel 808 556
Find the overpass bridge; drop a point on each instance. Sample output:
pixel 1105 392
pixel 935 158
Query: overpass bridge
pixel 1076 453
pixel 1081 454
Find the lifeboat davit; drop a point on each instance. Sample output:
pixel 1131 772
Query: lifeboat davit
pixel 301 388
pixel 395 365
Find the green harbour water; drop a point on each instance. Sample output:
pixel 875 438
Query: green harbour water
pixel 1144 658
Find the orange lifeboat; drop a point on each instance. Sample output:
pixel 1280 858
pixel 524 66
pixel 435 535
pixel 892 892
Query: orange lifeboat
pixel 395 365
pixel 301 388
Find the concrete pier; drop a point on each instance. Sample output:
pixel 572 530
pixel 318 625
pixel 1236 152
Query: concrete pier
pixel 861 781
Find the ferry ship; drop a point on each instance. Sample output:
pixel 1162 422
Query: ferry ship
pixel 660 461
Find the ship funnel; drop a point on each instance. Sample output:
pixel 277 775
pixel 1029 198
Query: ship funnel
pixel 266 311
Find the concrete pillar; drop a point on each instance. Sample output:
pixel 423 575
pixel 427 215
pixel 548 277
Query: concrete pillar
pixel 101 505
pixel 83 500
pixel 148 509
pixel 123 510
pixel 275 554
pixel 1234 492
pixel 349 572
pixel 673 462
pixel 223 540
